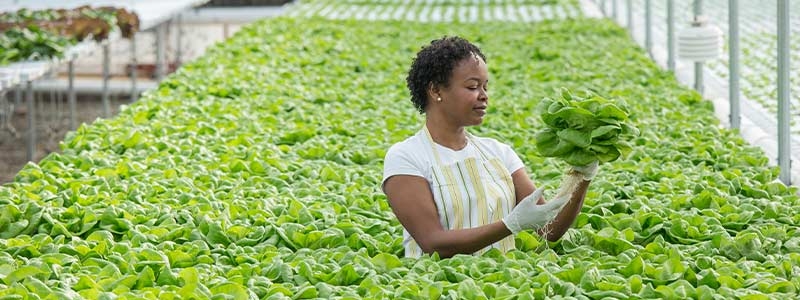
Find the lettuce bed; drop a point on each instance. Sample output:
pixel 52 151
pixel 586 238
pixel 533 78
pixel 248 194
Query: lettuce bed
pixel 439 10
pixel 253 172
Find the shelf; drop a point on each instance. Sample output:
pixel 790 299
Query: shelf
pixel 150 12
pixel 17 73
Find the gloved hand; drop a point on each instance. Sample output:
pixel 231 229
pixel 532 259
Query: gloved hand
pixel 529 215
pixel 588 171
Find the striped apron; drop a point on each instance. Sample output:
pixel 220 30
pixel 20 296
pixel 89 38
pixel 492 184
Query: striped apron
pixel 469 193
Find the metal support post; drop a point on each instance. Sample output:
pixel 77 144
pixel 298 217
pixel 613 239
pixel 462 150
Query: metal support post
pixel 18 95
pixel 134 70
pixel 106 78
pixel 603 7
pixel 671 35
pixel 698 66
pixel 784 133
pixel 629 16
pixel 17 103
pixel 698 77
pixel 648 24
pixel 5 112
pixel 3 108
pixel 31 118
pixel 71 93
pixel 733 58
pixel 179 34
pixel 160 60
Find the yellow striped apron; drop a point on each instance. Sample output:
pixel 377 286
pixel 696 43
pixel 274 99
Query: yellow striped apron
pixel 469 193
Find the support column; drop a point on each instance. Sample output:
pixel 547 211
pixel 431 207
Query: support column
pixel 648 24
pixel 784 133
pixel 134 70
pixel 106 78
pixel 733 58
pixel 71 94
pixel 31 154
pixel 629 17
pixel 160 59
pixel 603 7
pixel 614 10
pixel 671 35
pixel 179 34
pixel 18 94
pixel 698 66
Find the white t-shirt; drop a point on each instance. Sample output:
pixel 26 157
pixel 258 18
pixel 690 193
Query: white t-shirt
pixel 413 156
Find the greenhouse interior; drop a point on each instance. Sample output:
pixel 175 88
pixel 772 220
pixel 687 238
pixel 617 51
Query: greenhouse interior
pixel 264 149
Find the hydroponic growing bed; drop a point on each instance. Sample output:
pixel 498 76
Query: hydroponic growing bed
pixel 440 10
pixel 253 172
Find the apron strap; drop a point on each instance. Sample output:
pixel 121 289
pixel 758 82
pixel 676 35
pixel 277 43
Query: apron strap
pixel 470 138
pixel 433 147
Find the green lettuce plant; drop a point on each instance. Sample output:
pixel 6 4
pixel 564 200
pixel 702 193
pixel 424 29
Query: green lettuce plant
pixel 581 130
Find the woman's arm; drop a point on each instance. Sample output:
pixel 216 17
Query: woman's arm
pixel 523 186
pixel 412 202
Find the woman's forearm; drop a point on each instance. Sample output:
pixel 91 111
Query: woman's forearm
pixel 556 229
pixel 464 241
pixel 467 241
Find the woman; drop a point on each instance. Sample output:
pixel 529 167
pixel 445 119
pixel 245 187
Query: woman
pixel 457 193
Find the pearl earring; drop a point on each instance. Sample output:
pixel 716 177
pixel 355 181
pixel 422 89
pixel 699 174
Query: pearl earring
pixel 439 99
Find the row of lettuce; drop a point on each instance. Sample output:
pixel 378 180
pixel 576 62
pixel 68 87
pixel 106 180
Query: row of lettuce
pixel 253 172
pixel 439 10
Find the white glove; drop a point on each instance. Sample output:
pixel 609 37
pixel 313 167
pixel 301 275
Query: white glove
pixel 529 215
pixel 588 171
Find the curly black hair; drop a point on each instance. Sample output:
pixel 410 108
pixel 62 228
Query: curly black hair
pixel 434 64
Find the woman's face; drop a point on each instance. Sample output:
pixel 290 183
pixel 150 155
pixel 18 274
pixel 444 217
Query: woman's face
pixel 466 97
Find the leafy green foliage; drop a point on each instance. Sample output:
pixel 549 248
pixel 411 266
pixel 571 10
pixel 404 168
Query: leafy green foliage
pixel 254 172
pixel 31 43
pixel 583 130
pixel 37 35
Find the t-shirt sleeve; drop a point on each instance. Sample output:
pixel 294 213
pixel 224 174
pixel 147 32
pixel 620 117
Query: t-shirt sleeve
pixel 400 161
pixel 511 159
